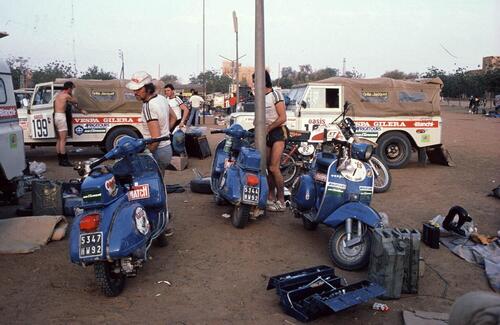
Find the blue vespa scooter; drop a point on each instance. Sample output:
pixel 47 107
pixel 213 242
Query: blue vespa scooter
pixel 337 192
pixel 236 177
pixel 124 209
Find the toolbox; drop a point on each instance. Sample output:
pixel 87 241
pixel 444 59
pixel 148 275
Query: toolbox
pixel 197 146
pixel 313 292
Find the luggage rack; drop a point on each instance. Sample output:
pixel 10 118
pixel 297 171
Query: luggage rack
pixel 309 293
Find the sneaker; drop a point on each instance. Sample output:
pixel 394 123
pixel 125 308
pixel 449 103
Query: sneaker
pixel 277 207
pixel 270 203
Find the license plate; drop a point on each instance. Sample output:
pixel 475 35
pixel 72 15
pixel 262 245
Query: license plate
pixel 250 194
pixel 91 244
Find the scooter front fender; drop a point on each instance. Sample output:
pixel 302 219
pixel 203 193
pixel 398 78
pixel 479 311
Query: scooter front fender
pixel 354 210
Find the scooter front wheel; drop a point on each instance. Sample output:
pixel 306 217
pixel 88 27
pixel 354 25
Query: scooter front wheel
pixel 349 258
pixel 110 282
pixel 241 214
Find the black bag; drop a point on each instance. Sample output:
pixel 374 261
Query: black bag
pixel 197 146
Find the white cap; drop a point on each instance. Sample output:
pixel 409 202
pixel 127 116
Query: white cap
pixel 138 80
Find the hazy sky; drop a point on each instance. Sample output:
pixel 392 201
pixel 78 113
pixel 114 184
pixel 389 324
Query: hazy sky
pixel 373 35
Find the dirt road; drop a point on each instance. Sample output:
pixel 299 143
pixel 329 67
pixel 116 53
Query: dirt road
pixel 218 274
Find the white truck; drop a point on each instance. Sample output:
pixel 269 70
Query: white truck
pixel 401 116
pixel 12 158
pixel 113 111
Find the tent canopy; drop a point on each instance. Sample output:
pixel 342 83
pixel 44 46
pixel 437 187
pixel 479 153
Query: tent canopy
pixel 384 97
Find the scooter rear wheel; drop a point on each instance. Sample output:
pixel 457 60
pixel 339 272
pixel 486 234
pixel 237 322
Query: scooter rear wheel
pixel 110 282
pixel 349 258
pixel 241 214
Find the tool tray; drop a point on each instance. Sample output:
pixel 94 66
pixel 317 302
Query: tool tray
pixel 309 293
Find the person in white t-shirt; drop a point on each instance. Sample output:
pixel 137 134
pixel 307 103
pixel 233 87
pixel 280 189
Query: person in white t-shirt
pixel 277 133
pixel 196 101
pixel 180 109
pixel 155 117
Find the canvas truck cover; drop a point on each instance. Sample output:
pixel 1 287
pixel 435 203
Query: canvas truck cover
pixel 384 97
pixel 106 96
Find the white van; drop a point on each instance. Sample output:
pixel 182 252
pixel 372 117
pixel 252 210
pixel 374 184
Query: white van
pixel 12 159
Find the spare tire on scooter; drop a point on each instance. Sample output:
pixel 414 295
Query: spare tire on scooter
pixel 201 185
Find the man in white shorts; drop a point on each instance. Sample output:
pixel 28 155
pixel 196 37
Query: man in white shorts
pixel 61 102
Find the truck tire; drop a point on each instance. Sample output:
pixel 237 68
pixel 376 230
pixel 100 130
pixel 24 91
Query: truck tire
pixel 115 134
pixel 394 149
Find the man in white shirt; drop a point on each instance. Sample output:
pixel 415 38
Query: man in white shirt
pixel 155 117
pixel 180 109
pixel 196 101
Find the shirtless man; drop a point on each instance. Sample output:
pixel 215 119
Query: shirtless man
pixel 62 99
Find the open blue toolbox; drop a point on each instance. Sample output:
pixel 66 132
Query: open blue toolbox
pixel 309 293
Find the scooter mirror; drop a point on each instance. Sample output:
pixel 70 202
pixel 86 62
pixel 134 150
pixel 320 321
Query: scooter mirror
pixel 303 104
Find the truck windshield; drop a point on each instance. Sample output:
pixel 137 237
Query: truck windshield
pixel 295 95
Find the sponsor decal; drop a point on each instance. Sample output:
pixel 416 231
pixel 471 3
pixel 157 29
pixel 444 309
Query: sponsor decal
pixel 365 188
pixel 374 93
pixel 110 186
pixel 92 196
pixel 425 138
pixel 138 192
pixel 395 124
pixel 102 93
pixel 420 131
pixel 8 112
pixel 79 130
pixel 110 120
pixel 316 121
pixel 336 187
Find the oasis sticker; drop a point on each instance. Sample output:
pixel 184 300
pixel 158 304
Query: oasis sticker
pixel 138 192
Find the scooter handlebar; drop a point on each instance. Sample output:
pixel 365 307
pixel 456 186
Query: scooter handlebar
pixel 98 162
pixel 217 131
pixel 153 140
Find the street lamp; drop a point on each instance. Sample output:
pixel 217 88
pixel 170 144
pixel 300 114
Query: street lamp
pixel 235 25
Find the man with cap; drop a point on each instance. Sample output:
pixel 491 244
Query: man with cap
pixel 155 116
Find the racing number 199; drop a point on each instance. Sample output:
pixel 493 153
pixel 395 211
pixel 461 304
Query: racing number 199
pixel 40 128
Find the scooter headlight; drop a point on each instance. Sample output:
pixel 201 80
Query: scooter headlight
pixel 362 151
pixel 141 220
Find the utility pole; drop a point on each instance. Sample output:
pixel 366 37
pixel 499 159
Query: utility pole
pixel 204 77
pixel 122 71
pixel 235 24
pixel 343 67
pixel 260 115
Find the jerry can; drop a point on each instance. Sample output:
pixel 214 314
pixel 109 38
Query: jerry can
pixel 387 258
pixel 411 237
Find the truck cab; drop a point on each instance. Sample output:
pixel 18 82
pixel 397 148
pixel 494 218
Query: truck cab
pixel 401 116
pixel 12 157
pixel 113 112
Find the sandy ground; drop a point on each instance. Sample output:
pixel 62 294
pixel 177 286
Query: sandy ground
pixel 219 273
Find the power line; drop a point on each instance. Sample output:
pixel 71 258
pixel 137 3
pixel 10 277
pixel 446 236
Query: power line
pixel 444 48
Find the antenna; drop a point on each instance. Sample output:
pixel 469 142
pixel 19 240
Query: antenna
pixel 343 67
pixel 122 71
pixel 73 28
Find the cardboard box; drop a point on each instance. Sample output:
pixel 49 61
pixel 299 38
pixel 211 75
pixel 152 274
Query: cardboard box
pixel 179 163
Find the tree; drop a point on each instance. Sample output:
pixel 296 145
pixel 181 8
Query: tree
pixel 94 72
pixel 169 79
pixel 394 74
pixel 324 74
pixel 51 71
pixel 215 82
pixel 18 67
